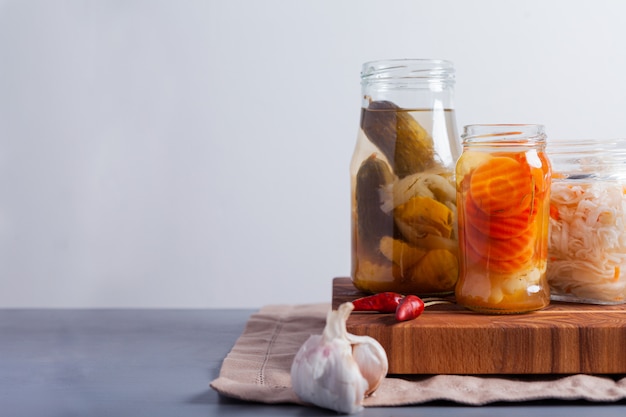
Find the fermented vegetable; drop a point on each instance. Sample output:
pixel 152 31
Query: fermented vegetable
pixel 404 221
pixel 503 195
pixel 587 248
pixel 405 143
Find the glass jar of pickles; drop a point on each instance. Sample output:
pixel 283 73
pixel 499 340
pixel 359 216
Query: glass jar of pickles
pixel 587 247
pixel 503 188
pixel 404 236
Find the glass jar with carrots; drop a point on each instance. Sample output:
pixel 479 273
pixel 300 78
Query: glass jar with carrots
pixel 503 182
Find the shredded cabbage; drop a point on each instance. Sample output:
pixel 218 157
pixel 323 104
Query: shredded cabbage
pixel 587 243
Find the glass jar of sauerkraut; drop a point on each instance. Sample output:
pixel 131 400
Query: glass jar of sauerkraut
pixel 587 246
pixel 503 186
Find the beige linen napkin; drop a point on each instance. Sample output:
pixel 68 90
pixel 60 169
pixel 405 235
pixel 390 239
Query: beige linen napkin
pixel 258 369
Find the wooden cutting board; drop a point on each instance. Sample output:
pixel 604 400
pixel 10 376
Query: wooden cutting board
pixel 564 338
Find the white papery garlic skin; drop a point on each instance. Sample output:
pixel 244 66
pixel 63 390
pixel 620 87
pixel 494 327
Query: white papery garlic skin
pixel 337 370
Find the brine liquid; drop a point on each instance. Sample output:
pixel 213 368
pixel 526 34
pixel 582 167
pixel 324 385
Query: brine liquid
pixel 441 126
pixel 404 236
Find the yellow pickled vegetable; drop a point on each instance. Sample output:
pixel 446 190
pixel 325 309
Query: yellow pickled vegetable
pixel 400 253
pixel 374 277
pixel 437 271
pixel 421 216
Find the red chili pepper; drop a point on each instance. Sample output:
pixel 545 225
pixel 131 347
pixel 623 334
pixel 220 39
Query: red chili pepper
pixel 409 308
pixel 384 302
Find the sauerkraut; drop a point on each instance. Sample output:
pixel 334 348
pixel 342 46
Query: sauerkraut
pixel 587 241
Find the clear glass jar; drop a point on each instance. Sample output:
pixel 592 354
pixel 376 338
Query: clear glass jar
pixel 587 247
pixel 404 236
pixel 503 185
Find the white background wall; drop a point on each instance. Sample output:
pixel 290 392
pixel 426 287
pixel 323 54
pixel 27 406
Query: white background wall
pixel 195 153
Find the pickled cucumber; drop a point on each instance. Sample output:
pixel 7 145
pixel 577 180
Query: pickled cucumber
pixel 372 222
pixel 404 142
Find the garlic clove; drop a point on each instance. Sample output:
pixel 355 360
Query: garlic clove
pixel 372 360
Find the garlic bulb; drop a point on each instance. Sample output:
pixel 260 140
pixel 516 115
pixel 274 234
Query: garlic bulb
pixel 336 369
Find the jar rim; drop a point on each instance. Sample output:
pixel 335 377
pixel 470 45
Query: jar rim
pixel 504 133
pixel 610 151
pixel 415 69
pixel 604 143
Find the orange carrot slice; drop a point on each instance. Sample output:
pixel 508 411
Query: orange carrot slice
pixel 554 212
pixel 475 259
pixel 502 186
pixel 498 227
pixel 500 249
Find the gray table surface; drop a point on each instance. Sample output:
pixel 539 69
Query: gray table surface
pixel 137 362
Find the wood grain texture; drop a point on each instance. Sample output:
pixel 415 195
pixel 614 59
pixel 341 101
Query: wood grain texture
pixel 564 338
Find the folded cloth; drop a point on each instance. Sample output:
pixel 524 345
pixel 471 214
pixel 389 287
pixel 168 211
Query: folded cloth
pixel 258 369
